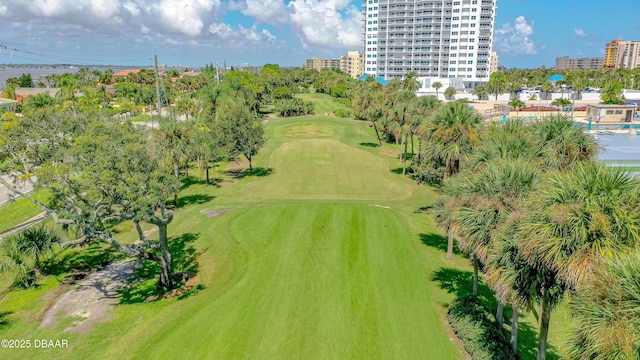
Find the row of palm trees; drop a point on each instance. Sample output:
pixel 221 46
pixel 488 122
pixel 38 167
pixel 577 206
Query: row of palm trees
pixel 541 220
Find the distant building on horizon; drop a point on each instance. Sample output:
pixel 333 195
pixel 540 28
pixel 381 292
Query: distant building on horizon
pixel 495 62
pixel 621 54
pixel 322 63
pixel 611 54
pixel 569 63
pixel 353 63
pixel 434 38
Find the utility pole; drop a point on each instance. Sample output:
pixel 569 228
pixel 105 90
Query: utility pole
pixel 155 62
pixel 217 72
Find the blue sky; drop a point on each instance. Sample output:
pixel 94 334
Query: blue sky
pixel 529 33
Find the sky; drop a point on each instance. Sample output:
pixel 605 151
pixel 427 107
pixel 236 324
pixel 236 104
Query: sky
pixel 529 33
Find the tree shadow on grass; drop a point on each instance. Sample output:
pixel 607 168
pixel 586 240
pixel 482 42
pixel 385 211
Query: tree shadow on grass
pixel 194 199
pixel 369 144
pixel 460 283
pixel 184 258
pixel 77 263
pixel 528 343
pixel 423 209
pixel 4 321
pixel 242 173
pixel 438 242
pixel 189 181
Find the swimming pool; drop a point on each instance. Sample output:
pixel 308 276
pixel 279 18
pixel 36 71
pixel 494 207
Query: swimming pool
pixel 610 126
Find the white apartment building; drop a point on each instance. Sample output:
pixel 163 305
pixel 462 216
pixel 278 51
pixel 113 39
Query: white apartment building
pixel 435 38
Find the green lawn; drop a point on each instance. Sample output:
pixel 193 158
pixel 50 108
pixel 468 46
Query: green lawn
pixel 326 255
pixel 324 103
pixel 19 210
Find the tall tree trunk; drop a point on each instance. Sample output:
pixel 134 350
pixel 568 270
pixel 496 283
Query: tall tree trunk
pixel 449 244
pixel 375 127
pixel 514 328
pixel 412 150
pixel 176 167
pixel 500 313
pixel 475 275
pixel 165 277
pixel 419 150
pixel 404 161
pixel 545 317
pixel 141 236
pixel 207 167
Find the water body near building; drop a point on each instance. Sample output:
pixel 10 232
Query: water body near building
pixel 435 38
pixel 38 74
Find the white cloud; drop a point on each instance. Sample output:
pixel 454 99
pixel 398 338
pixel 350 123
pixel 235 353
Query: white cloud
pixel 322 23
pixel 186 16
pixel 269 11
pixel 516 39
pixel 116 27
pixel 579 32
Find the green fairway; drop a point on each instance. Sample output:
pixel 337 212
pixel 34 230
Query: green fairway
pixel 324 103
pixel 323 256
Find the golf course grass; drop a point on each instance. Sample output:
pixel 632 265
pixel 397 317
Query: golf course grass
pixel 325 254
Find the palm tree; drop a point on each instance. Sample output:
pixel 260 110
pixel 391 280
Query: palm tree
pixel 172 141
pixel 611 93
pixel 606 312
pixel 561 103
pixel 451 135
pixel 584 215
pixel 562 142
pixel 546 88
pixel 437 85
pixel 480 92
pixel 449 92
pixel 38 242
pixel 398 105
pixel 368 103
pixel 14 261
pixel 577 220
pixel 497 83
pixel 410 82
pixel 517 104
pixel 421 109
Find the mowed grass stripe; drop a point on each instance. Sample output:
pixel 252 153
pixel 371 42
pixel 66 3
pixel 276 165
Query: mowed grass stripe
pixel 321 282
pixel 327 169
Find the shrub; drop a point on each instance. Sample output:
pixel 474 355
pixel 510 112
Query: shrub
pixel 294 107
pixel 343 113
pixel 482 337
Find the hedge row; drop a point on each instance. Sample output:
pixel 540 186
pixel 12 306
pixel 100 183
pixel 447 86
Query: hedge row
pixel 473 324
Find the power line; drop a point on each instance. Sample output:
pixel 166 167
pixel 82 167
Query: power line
pixel 79 61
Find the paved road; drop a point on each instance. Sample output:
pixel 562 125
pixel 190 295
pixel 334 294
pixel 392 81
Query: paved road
pixel 6 195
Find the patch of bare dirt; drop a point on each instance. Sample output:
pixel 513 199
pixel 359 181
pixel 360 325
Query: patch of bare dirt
pixel 148 233
pixel 213 213
pixel 226 183
pixel 91 301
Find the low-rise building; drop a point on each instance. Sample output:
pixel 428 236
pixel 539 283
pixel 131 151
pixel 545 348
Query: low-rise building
pixel 569 63
pixel 322 63
pixel 353 63
pixel 610 114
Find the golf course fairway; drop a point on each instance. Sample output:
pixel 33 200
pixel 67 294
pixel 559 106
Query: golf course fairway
pixel 321 256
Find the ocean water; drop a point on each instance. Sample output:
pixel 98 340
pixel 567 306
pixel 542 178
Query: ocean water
pixel 37 73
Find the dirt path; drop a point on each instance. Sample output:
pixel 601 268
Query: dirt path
pixel 91 300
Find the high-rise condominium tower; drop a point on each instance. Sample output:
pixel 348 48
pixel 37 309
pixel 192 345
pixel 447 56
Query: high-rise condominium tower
pixel 435 38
